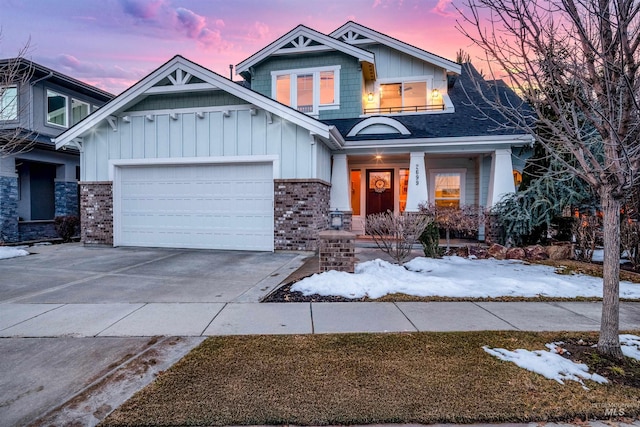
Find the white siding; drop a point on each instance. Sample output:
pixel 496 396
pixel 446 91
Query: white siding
pixel 188 135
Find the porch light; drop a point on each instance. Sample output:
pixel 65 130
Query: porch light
pixel 370 97
pixel 378 157
pixel 435 93
pixel 335 218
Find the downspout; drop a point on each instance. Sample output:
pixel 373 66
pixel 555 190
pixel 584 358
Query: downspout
pixel 33 83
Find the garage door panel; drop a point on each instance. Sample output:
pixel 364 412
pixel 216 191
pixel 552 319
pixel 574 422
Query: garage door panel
pixel 196 206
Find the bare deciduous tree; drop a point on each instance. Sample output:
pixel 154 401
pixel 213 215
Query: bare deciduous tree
pixel 395 235
pixel 579 59
pixel 15 74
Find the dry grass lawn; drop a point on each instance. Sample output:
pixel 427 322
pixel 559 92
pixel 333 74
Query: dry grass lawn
pixel 365 378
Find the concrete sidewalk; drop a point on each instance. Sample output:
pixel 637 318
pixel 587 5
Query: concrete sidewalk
pixel 205 319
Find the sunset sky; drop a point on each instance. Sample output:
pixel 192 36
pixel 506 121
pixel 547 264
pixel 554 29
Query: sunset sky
pixel 114 43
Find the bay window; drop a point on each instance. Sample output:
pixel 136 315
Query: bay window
pixel 308 90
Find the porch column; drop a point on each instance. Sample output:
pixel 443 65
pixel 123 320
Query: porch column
pixel 339 197
pixel 417 191
pixel 501 179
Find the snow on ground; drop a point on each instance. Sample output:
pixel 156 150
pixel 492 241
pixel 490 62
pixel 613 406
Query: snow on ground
pixel 549 364
pixel 553 366
pixel 456 277
pixel 630 345
pixel 9 252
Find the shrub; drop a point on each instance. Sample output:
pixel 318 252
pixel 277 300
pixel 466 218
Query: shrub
pixel 630 240
pixel 67 226
pixel 586 231
pixel 430 240
pixel 396 235
pixel 465 219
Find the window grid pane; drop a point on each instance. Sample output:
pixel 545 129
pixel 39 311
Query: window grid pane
pixel 9 103
pixel 305 92
pixel 327 88
pixel 79 110
pixel 283 89
pixel 447 189
pixel 56 109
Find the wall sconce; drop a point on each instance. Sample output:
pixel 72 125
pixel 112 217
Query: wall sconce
pixel 370 97
pixel 335 218
pixel 435 93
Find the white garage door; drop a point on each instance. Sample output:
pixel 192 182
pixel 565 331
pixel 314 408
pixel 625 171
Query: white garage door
pixel 221 206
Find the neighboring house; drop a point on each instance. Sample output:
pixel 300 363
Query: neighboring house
pixel 38 183
pixel 354 120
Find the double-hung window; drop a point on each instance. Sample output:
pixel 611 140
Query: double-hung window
pixel 57 109
pixel 9 103
pixel 308 90
pixel 448 187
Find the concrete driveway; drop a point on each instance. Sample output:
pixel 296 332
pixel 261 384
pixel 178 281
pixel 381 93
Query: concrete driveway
pixel 112 298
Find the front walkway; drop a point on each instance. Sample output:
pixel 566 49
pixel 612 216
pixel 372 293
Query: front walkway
pixel 205 319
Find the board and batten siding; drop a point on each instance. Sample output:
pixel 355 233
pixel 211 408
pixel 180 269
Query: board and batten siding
pixel 212 135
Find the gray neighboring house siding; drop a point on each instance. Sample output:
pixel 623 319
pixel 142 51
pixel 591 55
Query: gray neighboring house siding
pixel 40 183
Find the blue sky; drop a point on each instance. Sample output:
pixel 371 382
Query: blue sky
pixel 114 43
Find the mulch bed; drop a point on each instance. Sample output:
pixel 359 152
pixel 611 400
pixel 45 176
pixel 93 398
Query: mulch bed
pixel 626 372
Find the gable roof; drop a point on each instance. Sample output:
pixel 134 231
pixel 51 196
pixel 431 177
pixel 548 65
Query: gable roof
pixel 304 39
pixel 354 34
pixel 177 75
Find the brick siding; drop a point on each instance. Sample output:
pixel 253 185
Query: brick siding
pixel 337 250
pixel 96 213
pixel 301 211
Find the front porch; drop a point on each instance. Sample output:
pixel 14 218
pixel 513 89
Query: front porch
pixel 368 183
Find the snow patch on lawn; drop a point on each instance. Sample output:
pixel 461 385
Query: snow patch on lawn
pixel 8 252
pixel 549 364
pixel 630 345
pixel 456 277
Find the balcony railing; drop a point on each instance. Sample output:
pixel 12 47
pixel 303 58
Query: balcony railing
pixel 413 109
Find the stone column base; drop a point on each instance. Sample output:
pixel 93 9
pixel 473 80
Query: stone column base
pixel 337 250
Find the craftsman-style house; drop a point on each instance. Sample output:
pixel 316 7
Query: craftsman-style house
pixel 354 121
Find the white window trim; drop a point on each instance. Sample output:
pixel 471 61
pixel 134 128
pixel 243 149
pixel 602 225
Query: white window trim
pixel 293 95
pixel 17 100
pixel 428 79
pixel 46 109
pixel 432 183
pixel 80 102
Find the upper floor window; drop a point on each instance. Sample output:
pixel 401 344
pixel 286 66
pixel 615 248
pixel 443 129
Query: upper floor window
pixel 308 90
pixel 9 103
pixel 411 96
pixel 79 110
pixel 56 109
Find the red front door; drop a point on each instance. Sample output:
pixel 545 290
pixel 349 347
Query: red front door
pixel 379 190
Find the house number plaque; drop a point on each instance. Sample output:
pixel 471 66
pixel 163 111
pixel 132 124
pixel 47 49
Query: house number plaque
pixel 417 175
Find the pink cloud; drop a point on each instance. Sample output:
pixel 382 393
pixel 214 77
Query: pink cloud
pixel 441 9
pixel 259 31
pixel 193 23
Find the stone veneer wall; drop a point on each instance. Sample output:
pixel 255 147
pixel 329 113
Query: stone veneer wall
pixel 301 211
pixel 66 195
pixel 9 209
pixel 37 230
pixel 96 212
